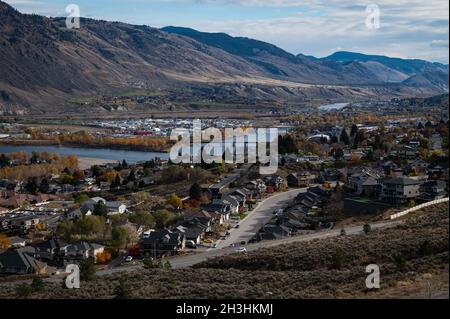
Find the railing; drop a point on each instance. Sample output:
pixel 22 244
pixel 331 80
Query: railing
pixel 419 207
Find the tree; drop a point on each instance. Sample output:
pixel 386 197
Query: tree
pixel 103 257
pixel 175 201
pixel 96 171
pixel 37 284
pixel 24 291
pixel 80 199
pixel 142 218
pixel 87 270
pixel 5 243
pixel 44 186
pixel 100 209
pixel 163 218
pixel 367 228
pixel 32 185
pixel 122 291
pixel 65 229
pixel 338 154
pixel 119 236
pixel 354 130
pixel 344 138
pixel 195 192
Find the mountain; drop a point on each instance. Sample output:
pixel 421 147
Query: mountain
pixel 276 62
pixel 44 66
pixel 411 72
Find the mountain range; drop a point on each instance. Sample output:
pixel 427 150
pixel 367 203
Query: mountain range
pixel 43 65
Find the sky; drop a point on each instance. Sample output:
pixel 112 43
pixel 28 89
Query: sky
pixel 406 29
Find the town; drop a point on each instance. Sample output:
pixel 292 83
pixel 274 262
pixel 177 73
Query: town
pixel 334 170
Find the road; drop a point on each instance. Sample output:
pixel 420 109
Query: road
pixel 190 260
pixel 256 219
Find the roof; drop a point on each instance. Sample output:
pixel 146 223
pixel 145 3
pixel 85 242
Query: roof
pixel 53 243
pixel 401 181
pixel 19 259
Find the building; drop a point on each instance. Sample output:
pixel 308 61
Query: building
pixel 432 190
pixel 399 190
pixel 162 242
pixel 18 262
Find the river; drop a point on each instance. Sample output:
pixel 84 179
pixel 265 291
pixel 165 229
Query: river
pixel 98 153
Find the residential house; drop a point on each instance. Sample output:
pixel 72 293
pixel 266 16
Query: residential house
pixel 20 263
pixel 162 242
pixel 301 179
pixel 17 242
pixel 432 190
pixel 399 190
pixel 80 251
pixel 51 251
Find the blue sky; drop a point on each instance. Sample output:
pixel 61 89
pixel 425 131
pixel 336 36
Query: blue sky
pixel 408 29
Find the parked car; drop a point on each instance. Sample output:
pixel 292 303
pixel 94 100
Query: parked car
pixel 241 250
pixel 214 246
pixel 237 226
pixel 191 244
pixel 129 259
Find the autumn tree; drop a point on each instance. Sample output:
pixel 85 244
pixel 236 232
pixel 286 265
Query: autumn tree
pixel 5 243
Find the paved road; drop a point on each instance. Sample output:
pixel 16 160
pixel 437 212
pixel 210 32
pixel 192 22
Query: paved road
pixel 188 261
pixel 258 218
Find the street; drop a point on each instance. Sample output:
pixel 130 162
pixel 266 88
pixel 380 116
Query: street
pixel 256 219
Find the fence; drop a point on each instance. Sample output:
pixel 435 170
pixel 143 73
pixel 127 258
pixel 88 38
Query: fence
pixel 418 207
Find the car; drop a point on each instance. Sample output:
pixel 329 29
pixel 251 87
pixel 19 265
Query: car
pixel 214 246
pixel 227 233
pixel 243 242
pixel 237 226
pixel 208 241
pixel 241 250
pixel 129 259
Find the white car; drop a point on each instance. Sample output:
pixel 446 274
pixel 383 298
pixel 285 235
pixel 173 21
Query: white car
pixel 129 259
pixel 241 250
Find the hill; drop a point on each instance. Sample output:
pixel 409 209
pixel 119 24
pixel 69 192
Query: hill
pixel 412 256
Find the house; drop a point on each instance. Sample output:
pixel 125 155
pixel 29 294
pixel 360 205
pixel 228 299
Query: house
pixel 80 251
pixel 24 223
pixel 365 182
pixel 52 250
pixel 116 208
pixel 17 242
pixel 202 216
pixel 272 232
pixel 399 190
pixel 162 242
pixel 432 190
pixel 20 263
pixel 301 179
pixel 276 182
pixel 332 174
pixel 192 231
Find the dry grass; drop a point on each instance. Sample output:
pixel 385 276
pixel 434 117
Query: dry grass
pixel 306 270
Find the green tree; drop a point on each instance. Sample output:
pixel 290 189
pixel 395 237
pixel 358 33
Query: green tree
pixel 163 218
pixel 24 291
pixel 142 218
pixel 100 209
pixel 122 290
pixel 344 138
pixel 37 284
pixel 367 228
pixel 87 270
pixel 119 236
pixel 195 192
